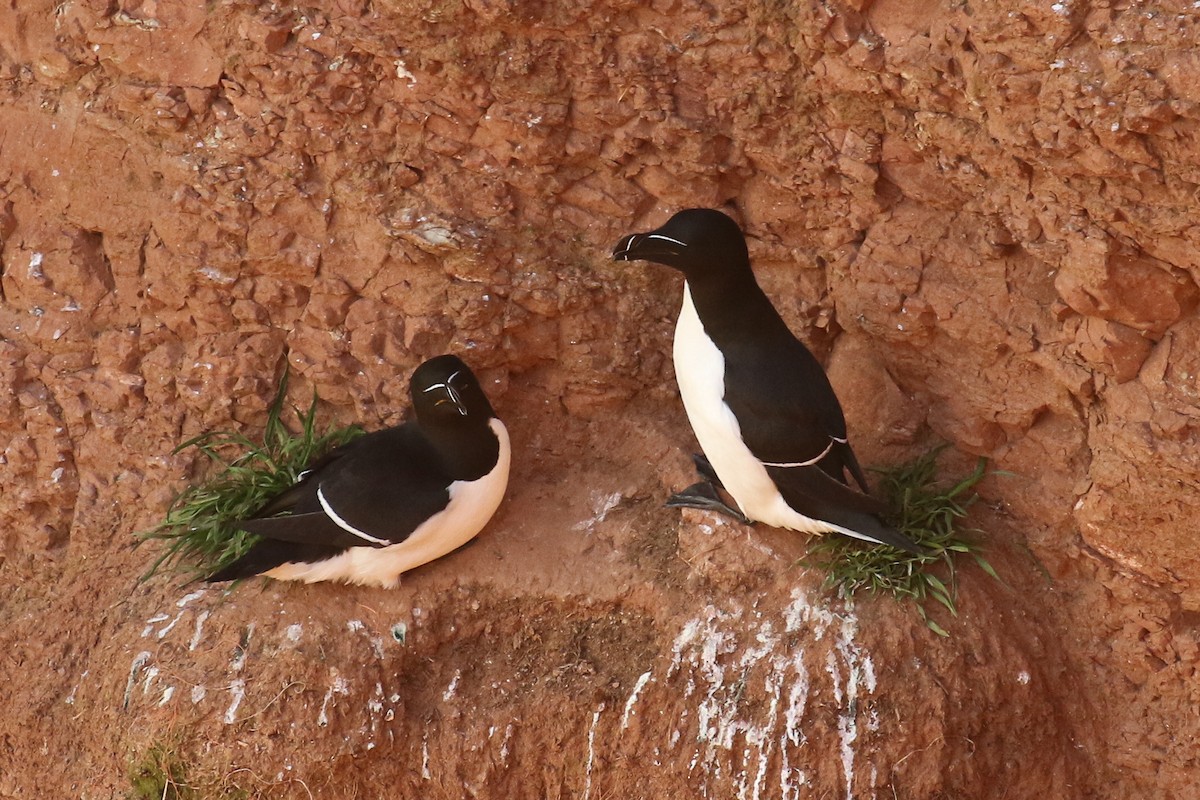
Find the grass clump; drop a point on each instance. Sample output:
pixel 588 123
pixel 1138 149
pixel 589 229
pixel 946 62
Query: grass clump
pixel 159 774
pixel 928 513
pixel 200 528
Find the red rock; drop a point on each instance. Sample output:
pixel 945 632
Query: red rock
pixel 984 215
pixel 1134 289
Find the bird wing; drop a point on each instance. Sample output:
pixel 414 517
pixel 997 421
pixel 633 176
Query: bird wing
pixel 372 492
pixel 843 453
pixel 379 488
pixel 790 414
pixel 813 493
pixel 266 554
pixel 301 495
pixel 387 490
pixel 315 528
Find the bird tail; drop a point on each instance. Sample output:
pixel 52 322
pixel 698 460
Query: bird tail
pixel 850 462
pixel 267 554
pixel 869 529
pixel 245 567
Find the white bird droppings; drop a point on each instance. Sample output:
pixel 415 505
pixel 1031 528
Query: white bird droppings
pixel 633 696
pixel 338 686
pixel 194 643
pixel 748 749
pixel 591 753
pixel 238 691
pixel 452 689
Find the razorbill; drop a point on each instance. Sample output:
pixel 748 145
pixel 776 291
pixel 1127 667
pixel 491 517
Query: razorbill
pixel 759 402
pixel 390 500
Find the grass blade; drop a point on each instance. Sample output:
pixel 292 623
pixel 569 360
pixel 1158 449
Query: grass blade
pixel 200 529
pixel 927 513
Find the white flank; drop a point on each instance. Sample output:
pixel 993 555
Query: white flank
pixel 472 504
pixel 700 372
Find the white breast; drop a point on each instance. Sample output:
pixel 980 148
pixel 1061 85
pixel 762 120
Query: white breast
pixel 472 504
pixel 700 372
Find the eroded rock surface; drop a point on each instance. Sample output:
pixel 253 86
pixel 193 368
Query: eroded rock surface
pixel 982 217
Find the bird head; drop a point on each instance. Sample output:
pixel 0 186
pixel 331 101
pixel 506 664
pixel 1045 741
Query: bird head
pixel 445 390
pixel 698 242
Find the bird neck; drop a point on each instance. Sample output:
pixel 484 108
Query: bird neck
pixel 467 449
pixel 730 302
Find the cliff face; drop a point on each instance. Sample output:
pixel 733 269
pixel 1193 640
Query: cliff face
pixel 983 218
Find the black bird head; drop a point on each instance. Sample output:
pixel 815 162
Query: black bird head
pixel 445 391
pixel 698 242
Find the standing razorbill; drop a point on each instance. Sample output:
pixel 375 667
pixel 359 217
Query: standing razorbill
pixel 759 402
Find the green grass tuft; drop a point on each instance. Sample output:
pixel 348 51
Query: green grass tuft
pixel 162 773
pixel 200 527
pixel 928 513
pixel 159 774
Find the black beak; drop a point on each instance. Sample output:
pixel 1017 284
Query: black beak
pixel 455 397
pixel 651 246
pixel 624 251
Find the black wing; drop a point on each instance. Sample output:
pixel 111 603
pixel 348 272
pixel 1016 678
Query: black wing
pixel 267 554
pixel 787 408
pixel 384 485
pixel 301 496
pixel 813 493
pixel 388 486
pixel 315 528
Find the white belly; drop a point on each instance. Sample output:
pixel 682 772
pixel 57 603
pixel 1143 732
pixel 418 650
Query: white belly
pixel 472 504
pixel 700 372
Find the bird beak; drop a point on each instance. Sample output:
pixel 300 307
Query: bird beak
pixel 456 399
pixel 451 393
pixel 647 247
pixel 624 249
